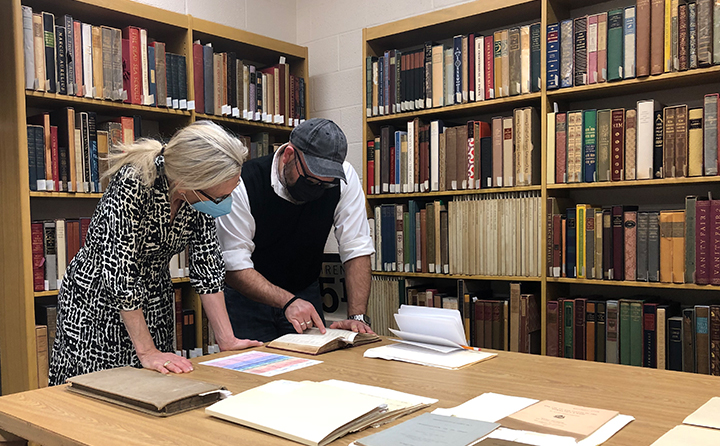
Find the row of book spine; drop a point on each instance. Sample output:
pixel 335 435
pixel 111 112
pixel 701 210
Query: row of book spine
pixel 636 332
pixel 650 38
pixel 68 149
pixel 79 59
pixel 470 68
pixel 650 141
pixel 227 86
pixel 494 235
pixel 439 157
pixel 623 243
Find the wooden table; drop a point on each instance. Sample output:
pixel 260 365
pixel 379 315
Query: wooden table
pixel 657 399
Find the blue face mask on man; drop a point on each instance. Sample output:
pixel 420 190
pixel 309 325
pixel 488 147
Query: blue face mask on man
pixel 214 207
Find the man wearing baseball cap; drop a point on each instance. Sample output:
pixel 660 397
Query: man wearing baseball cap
pixel 273 240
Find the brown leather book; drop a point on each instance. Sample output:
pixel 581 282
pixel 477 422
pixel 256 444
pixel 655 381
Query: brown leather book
pixel 702 339
pixel 669 142
pixel 630 224
pixel 551 348
pixel 666 247
pixel 461 146
pixel 688 340
pixel 590 331
pixel 714 340
pixel 657 37
pixel 683 37
pixel 642 34
pixel 681 140
pixel 617 143
pixel 450 158
pixel 630 144
pixel 41 341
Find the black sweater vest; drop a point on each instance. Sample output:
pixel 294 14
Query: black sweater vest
pixel 289 238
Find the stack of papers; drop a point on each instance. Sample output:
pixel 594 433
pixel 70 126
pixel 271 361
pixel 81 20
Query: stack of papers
pixel 329 409
pixel 430 336
pixel 694 430
pixel 493 407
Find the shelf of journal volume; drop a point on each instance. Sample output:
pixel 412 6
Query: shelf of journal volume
pixel 117 112
pixel 648 182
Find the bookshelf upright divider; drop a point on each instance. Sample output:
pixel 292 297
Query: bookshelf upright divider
pixel 18 302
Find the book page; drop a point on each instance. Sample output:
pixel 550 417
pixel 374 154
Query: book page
pixel 488 407
pixel 708 415
pixel 416 355
pixel 312 337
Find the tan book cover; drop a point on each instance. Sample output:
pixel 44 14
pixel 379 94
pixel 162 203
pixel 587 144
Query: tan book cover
pixel 217 83
pixel 552 417
pixel 97 64
pixel 146 390
pixel 41 341
pixel 695 142
pixel 498 64
pixel 314 343
pixel 630 143
pixel 438 67
pixel 666 247
pixel 39 50
pixel 678 249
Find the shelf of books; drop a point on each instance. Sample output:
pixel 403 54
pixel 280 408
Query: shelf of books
pixel 84 76
pixel 616 209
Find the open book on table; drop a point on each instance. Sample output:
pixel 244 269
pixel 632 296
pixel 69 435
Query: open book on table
pixel 314 343
pixel 330 409
pixel 430 336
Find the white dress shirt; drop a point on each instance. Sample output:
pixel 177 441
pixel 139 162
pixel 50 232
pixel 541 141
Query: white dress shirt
pixel 237 229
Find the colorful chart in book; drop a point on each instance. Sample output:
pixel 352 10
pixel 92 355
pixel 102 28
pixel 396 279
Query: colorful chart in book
pixel 261 363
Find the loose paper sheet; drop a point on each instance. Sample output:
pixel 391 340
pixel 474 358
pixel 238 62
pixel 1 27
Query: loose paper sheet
pixel 708 415
pixel 261 363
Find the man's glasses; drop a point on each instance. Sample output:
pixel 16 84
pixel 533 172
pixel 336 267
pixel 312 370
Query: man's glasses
pixel 315 181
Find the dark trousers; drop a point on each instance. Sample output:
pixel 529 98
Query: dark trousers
pixel 254 320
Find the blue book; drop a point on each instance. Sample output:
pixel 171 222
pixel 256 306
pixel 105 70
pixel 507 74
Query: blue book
pixel 151 75
pixel 94 172
pixel 535 46
pixel 553 56
pixel 570 243
pixel 675 339
pixel 412 211
pixel 458 66
pixel 589 145
pixel 389 236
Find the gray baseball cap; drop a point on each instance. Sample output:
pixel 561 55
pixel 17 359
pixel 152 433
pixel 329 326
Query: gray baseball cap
pixel 323 145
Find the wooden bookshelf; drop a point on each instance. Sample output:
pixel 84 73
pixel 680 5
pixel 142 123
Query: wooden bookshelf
pixel 485 17
pixel 21 206
pixel 176 280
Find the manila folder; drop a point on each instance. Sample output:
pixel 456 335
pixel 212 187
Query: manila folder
pixel 146 390
pixel 327 413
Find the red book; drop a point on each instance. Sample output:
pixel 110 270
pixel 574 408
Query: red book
pixel 579 332
pixel 55 157
pixel 702 242
pixel 618 238
pixel 471 66
pixel 84 226
pixel 489 70
pixel 560 147
pixel 132 65
pixel 370 189
pixel 198 75
pixel 714 261
pixel 551 348
pixel 38 256
pixel 72 234
pixel 617 144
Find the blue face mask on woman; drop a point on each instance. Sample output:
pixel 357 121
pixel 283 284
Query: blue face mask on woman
pixel 214 207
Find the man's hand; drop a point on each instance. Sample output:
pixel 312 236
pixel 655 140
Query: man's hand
pixel 165 362
pixel 238 344
pixel 352 325
pixel 302 315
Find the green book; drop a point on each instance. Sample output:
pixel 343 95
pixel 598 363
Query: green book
pixel 602 149
pixel 615 54
pixel 636 333
pixel 568 322
pixel 408 239
pixel 624 332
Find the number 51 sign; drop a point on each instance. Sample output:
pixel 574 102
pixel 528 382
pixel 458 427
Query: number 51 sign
pixel 332 288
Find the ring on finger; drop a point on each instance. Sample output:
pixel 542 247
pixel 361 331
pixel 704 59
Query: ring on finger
pixel 308 322
pixel 303 323
pixel 166 363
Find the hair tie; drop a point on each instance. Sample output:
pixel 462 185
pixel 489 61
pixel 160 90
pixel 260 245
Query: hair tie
pixel 162 150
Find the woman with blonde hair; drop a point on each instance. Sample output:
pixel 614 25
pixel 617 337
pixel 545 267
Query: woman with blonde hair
pixel 116 302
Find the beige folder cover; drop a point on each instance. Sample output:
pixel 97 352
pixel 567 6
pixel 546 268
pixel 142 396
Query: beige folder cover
pixel 146 390
pixel 327 413
pixel 708 415
pixel 683 435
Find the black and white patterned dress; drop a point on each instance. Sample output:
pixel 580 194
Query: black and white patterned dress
pixel 124 266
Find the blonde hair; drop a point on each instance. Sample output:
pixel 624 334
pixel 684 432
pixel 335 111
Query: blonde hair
pixel 199 156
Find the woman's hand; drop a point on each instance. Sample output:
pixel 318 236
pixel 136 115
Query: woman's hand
pixel 165 362
pixel 238 344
